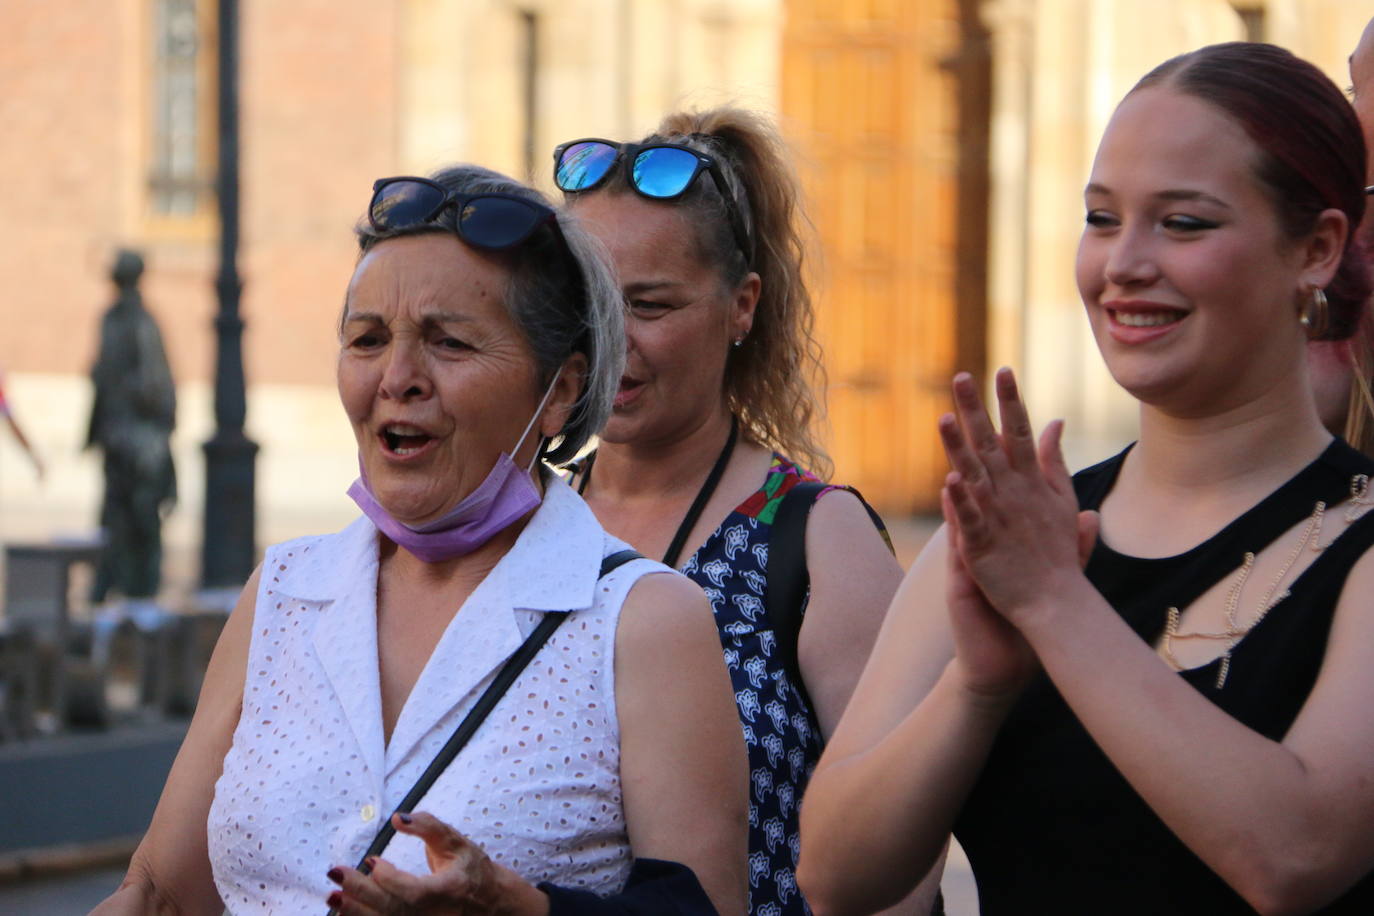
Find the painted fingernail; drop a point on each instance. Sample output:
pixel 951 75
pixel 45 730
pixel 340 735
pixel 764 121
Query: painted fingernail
pixel 335 875
pixel 335 899
pixel 405 818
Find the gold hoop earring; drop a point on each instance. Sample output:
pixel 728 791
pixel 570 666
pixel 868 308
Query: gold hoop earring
pixel 1315 314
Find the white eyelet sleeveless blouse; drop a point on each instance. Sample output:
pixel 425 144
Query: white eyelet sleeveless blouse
pixel 310 780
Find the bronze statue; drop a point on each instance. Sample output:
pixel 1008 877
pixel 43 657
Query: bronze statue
pixel 132 422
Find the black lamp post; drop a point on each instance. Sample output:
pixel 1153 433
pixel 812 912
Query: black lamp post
pixel 228 552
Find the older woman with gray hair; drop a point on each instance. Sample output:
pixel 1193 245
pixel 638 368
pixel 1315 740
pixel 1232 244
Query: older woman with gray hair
pixel 480 338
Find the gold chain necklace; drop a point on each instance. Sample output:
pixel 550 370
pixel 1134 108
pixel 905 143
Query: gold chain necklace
pixel 1234 632
pixel 1359 501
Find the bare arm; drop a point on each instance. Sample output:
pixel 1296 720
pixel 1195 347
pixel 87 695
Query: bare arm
pixel 944 673
pixel 883 799
pixel 683 766
pixel 170 871
pixel 853 578
pixel 1289 825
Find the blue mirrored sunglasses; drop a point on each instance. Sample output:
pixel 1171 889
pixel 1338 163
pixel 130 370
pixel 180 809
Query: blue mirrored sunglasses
pixel 658 171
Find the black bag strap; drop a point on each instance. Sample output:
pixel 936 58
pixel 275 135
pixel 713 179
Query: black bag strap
pixel 789 582
pixel 480 710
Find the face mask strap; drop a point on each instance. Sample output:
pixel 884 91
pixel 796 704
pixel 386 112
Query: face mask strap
pixel 543 440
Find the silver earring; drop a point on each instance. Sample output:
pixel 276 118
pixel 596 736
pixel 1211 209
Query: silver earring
pixel 739 342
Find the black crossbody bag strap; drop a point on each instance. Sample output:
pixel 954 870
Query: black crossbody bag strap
pixel 789 580
pixel 480 710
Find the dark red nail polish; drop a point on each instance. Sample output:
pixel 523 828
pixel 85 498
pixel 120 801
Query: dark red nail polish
pixel 335 899
pixel 405 818
pixel 335 875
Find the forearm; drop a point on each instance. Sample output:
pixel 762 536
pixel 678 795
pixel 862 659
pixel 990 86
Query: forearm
pixel 921 901
pixel 139 895
pixel 1246 805
pixel 874 823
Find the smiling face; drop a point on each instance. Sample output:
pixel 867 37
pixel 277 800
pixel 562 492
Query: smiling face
pixel 433 373
pixel 1190 285
pixel 681 323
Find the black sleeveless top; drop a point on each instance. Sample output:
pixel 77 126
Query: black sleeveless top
pixel 1051 826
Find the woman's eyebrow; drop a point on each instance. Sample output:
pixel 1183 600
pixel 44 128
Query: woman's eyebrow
pixel 646 286
pixel 1189 194
pixel 440 317
pixel 1171 194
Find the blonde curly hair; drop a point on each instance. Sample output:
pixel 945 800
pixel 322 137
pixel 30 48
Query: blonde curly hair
pixel 772 380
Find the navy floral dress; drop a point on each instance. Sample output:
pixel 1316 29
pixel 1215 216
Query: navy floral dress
pixel 779 728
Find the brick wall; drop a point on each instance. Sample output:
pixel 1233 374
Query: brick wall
pixel 318 124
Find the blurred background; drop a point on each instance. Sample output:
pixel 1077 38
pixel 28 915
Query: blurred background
pixel 943 146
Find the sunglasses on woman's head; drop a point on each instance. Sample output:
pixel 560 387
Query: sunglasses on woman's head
pixel 658 171
pixel 490 220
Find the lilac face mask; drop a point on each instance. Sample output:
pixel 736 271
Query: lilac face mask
pixel 506 495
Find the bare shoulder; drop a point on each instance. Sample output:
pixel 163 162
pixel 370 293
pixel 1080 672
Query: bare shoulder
pixel 839 511
pixel 840 531
pixel 664 607
pixel 229 663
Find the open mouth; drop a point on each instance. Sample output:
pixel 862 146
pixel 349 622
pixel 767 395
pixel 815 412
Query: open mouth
pixel 403 440
pixel 628 391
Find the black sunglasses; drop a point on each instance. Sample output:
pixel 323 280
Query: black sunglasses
pixel 490 220
pixel 658 171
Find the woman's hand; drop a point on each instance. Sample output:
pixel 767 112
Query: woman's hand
pixel 993 659
pixel 1014 506
pixel 463 880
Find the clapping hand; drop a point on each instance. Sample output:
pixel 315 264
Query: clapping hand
pixel 1014 526
pixel 463 880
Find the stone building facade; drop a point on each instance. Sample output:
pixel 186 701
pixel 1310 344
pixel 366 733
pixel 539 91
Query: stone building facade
pixel 943 144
